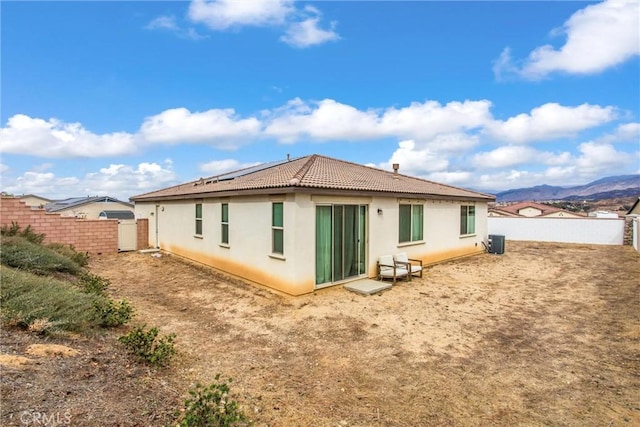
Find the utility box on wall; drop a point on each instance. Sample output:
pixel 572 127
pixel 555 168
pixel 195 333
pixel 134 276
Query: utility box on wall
pixel 496 244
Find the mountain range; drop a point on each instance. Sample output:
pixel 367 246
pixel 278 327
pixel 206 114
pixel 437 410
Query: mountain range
pixel 604 188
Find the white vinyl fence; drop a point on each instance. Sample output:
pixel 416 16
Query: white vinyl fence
pixel 598 231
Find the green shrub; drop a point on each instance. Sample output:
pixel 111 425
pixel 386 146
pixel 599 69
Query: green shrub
pixel 19 252
pixel 93 284
pixel 148 347
pixel 44 304
pixel 112 314
pixel 80 258
pixel 212 406
pixel 10 230
pixel 27 233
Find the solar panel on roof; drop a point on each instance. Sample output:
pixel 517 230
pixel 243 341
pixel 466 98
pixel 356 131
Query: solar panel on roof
pixel 247 171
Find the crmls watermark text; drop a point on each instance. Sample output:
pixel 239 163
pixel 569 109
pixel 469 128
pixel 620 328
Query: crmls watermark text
pixel 48 419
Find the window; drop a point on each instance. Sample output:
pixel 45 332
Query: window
pixel 277 228
pixel 225 223
pixel 198 219
pixel 411 223
pixel 467 220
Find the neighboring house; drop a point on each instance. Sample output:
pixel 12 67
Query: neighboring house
pixel 302 224
pixel 530 210
pixel 34 201
pixel 635 209
pixel 87 207
pixel 603 214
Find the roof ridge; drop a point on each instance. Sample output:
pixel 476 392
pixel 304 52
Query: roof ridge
pixel 297 177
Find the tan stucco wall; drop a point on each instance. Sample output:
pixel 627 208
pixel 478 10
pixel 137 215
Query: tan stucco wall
pixel 530 212
pixel 248 254
pixel 92 210
pixel 34 201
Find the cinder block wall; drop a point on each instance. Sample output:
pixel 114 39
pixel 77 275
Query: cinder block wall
pixel 143 233
pixel 94 236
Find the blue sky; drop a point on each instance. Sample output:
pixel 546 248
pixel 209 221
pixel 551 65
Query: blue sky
pixel 121 98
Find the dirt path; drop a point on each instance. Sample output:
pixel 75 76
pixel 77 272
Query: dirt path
pixel 545 334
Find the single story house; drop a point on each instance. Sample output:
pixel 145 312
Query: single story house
pixel 530 210
pixel 87 207
pixel 298 225
pixel 34 201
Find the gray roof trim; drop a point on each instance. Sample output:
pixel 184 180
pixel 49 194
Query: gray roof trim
pixel 72 202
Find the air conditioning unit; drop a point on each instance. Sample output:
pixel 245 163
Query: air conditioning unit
pixel 496 244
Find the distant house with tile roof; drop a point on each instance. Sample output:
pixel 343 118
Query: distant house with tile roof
pixel 87 207
pixel 531 209
pixel 302 224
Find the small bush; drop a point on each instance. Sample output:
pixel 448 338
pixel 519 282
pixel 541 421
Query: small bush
pixel 148 347
pixel 93 284
pixel 19 252
pixel 10 230
pixel 27 233
pixel 44 304
pixel 111 313
pixel 212 406
pixel 80 258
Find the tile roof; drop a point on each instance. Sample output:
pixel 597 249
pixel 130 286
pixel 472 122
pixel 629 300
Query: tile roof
pixel 515 208
pixel 312 172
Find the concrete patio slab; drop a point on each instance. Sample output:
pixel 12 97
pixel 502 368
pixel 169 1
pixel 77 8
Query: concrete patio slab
pixel 367 286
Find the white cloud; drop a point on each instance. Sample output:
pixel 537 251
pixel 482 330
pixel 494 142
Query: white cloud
pixel 169 23
pixel 457 178
pixel 224 14
pixel 426 120
pixel 116 180
pixel 416 160
pixel 45 184
pixel 505 180
pixel 502 157
pixel 126 181
pixel 599 37
pixel 326 120
pixel 513 155
pixel 628 132
pixel 4 168
pixel 453 143
pixel 331 120
pixel 596 158
pixel 302 26
pixel 217 167
pixel 307 32
pixel 218 127
pixel 54 138
pixel 550 121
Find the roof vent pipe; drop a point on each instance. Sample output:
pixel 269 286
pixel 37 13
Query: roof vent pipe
pixel 396 166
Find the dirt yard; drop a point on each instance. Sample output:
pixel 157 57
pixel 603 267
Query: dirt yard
pixel 546 334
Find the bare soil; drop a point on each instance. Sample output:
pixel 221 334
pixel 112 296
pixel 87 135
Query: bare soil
pixel 546 334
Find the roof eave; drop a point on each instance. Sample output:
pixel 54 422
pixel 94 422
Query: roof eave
pixel 479 197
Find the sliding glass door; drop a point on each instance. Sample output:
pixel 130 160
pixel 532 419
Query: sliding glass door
pixel 340 242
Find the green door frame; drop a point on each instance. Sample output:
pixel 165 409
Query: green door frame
pixel 341 243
